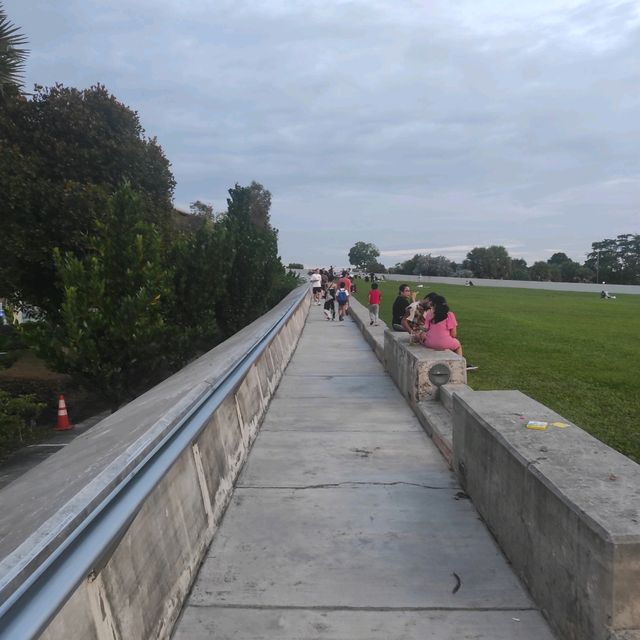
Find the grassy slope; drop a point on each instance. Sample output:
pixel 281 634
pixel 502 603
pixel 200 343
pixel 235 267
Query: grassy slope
pixel 573 352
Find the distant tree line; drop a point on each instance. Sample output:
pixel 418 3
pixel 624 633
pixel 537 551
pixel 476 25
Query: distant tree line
pixel 615 261
pixel 126 288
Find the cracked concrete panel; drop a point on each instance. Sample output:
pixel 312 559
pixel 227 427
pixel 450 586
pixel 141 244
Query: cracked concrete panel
pixel 75 619
pixel 367 546
pixel 331 366
pixel 335 414
pixel 375 388
pixel 279 460
pixel 203 623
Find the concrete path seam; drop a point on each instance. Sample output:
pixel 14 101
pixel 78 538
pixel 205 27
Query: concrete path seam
pixel 275 607
pixel 339 485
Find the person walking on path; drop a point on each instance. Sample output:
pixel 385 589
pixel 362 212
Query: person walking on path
pixel 375 295
pixel 324 282
pixel 316 285
pixel 329 302
pixel 400 304
pixel 343 301
pixel 347 281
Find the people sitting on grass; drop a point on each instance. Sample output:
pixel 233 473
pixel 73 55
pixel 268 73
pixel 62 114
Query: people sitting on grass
pixel 441 327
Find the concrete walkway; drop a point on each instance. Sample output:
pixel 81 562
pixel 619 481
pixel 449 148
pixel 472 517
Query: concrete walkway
pixel 347 524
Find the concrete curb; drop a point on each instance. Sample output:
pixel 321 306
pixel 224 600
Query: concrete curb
pixel 374 335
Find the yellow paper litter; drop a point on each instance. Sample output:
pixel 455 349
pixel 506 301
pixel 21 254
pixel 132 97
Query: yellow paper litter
pixel 560 425
pixel 536 424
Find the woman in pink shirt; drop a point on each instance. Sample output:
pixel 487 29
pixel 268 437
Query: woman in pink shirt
pixel 440 327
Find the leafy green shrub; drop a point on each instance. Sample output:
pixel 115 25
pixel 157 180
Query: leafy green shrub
pixel 17 419
pixel 7 358
pixel 111 332
pixel 10 344
pixel 295 265
pixel 282 285
pixel 10 338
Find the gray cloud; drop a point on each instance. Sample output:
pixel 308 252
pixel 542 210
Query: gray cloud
pixel 400 123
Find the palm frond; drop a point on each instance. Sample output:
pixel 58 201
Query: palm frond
pixel 13 55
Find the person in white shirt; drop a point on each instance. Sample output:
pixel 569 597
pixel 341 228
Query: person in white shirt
pixel 316 285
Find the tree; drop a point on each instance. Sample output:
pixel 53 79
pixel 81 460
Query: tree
pixel 559 258
pixel 628 249
pixel 408 266
pixel 519 269
pixel 260 205
pixel 199 208
pixel 200 261
pixel 540 271
pixel 433 266
pixel 255 266
pixel 362 253
pixel 604 261
pixel 563 268
pixel 12 55
pixel 491 262
pixel 375 267
pixel 64 152
pixel 114 333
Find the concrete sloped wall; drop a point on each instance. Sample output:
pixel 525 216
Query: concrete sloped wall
pixel 139 589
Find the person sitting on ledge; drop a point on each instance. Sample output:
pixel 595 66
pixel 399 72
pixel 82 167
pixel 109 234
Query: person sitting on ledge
pixel 441 327
pixel 400 304
pixel 416 316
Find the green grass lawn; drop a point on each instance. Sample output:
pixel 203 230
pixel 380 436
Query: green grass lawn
pixel 573 352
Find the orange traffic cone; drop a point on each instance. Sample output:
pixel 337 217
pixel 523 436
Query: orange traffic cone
pixel 63 416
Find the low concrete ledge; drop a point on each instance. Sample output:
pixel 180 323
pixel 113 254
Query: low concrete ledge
pixel 409 366
pixel 438 424
pixel 447 392
pixel 374 335
pixel 564 507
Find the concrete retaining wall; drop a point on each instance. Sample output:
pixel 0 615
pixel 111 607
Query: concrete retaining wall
pixel 374 335
pixel 564 507
pixel 409 366
pixel 138 590
pixel 595 288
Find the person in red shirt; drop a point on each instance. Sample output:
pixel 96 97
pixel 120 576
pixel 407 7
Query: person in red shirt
pixel 375 295
pixel 347 281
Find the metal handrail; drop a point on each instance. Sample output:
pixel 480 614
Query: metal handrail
pixel 35 602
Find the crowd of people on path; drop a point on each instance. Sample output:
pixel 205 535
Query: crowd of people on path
pixel 325 285
pixel 428 321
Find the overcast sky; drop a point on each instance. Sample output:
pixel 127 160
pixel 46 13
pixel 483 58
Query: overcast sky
pixel 421 126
